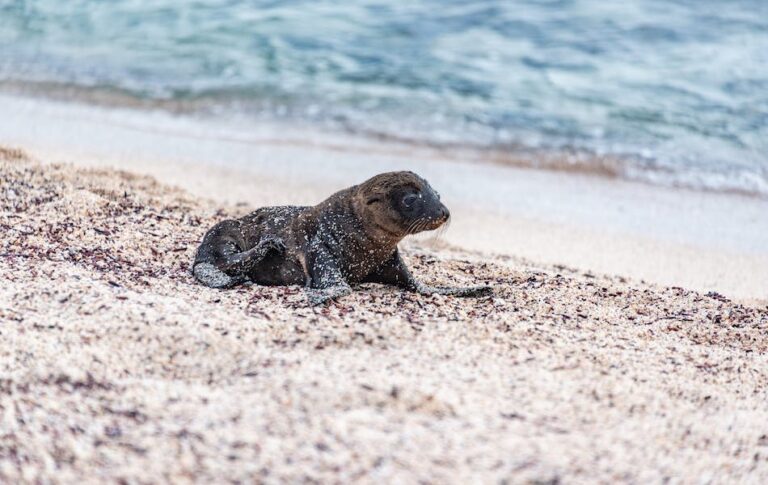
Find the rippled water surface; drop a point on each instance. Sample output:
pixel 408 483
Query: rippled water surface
pixel 678 89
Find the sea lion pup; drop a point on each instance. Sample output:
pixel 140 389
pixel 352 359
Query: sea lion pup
pixel 349 238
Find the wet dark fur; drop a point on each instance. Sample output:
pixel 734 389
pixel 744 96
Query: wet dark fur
pixel 349 238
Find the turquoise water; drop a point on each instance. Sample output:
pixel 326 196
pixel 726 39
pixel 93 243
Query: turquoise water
pixel 678 90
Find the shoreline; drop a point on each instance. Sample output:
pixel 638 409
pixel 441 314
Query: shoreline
pixel 143 375
pixel 669 236
pixel 325 135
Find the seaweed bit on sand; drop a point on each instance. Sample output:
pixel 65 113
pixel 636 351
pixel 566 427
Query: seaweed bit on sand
pixel 116 365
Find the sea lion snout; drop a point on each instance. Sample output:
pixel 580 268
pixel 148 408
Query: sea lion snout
pixel 432 209
pixel 440 217
pixel 443 213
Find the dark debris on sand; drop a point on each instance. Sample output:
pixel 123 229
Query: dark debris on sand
pixel 115 363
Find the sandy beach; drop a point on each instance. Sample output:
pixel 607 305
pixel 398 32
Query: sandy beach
pixel 116 366
pixel 605 167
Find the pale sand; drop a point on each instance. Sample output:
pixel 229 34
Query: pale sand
pixel 702 241
pixel 115 365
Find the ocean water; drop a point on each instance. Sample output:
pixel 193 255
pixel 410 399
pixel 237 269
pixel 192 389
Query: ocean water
pixel 668 91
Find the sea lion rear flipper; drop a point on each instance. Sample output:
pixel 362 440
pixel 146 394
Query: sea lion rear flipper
pixel 220 261
pixel 245 262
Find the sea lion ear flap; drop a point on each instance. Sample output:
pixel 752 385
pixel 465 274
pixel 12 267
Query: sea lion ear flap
pixel 372 200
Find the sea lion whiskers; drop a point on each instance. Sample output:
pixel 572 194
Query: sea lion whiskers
pixel 420 225
pixel 412 226
pixel 440 232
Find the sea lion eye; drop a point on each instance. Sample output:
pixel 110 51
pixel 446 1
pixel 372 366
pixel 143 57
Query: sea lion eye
pixel 409 199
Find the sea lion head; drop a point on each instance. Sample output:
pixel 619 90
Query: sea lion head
pixel 401 203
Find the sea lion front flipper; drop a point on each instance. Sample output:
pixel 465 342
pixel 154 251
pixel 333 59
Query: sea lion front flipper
pixel 321 296
pixel 462 291
pixel 325 279
pixel 395 272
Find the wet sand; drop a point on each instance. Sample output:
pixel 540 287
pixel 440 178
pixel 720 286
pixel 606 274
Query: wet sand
pixel 115 365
